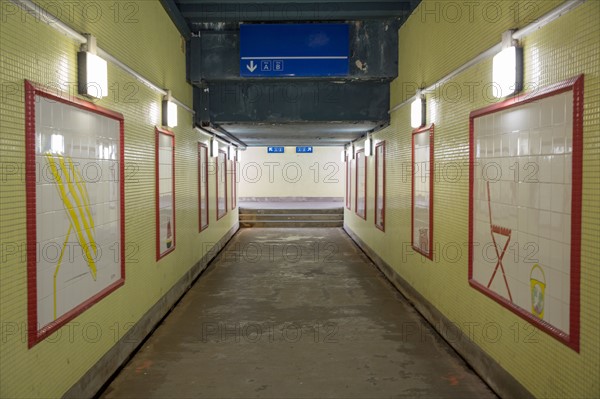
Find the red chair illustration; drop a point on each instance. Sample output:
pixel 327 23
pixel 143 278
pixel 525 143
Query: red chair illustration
pixel 500 231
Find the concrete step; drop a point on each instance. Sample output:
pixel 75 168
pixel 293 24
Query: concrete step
pixel 291 216
pixel 292 223
pixel 307 210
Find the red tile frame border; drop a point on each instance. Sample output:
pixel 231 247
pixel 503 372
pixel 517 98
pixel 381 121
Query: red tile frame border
pixel 380 144
pixel 576 85
pixel 430 129
pixel 356 184
pixel 35 334
pixel 169 133
pixel 234 183
pixel 202 168
pixel 217 175
pixel 348 186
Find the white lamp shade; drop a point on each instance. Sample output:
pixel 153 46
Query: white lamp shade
pixel 343 156
pixel 93 75
pixel 215 147
pixel 507 74
pixel 368 147
pixel 416 113
pixel 169 113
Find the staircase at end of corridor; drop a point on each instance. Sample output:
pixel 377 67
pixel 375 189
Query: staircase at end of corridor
pixel 306 216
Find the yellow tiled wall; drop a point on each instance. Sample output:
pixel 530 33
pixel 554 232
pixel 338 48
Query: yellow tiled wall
pixel 320 174
pixel 141 35
pixel 430 48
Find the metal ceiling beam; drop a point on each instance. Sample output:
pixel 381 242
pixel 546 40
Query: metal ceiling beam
pixel 215 55
pixel 196 13
pixel 285 102
pixel 180 22
pixel 200 2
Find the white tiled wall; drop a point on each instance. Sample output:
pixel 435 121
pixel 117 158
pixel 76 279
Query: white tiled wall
pixel 88 145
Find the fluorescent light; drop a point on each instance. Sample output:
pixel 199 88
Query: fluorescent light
pixel 93 75
pixel 214 147
pixel 368 147
pixel 417 112
pixel 507 74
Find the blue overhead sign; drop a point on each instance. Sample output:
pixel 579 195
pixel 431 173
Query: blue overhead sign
pixel 284 50
pixel 304 150
pixel 275 150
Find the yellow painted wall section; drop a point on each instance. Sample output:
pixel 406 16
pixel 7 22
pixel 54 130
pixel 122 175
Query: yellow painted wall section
pixel 141 35
pixel 320 174
pixel 429 50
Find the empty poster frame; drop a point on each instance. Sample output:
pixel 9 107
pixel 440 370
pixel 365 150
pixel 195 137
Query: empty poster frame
pixel 361 184
pixel 379 218
pixel 234 182
pixel 348 182
pixel 525 190
pixel 165 192
pixel 422 191
pixel 221 182
pixel 202 186
pixel 74 154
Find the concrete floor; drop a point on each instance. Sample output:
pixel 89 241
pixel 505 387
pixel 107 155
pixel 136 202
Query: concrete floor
pixel 295 313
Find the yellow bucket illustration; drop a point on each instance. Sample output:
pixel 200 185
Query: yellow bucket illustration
pixel 538 288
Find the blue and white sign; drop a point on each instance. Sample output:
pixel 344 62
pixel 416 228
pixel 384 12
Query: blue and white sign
pixel 304 150
pixel 287 50
pixel 275 150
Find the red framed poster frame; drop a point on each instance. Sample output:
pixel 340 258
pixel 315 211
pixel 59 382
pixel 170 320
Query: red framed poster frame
pixel 225 185
pixel 576 85
pixel 380 144
pixel 202 168
pixel 364 216
pixel 34 333
pixel 431 129
pixel 169 133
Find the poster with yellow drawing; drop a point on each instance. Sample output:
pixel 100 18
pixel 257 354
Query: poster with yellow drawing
pixel 78 191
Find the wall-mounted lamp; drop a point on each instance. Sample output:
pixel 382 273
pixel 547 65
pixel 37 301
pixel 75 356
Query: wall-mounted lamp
pixel 368 146
pixel 214 147
pixel 351 151
pixel 92 70
pixel 169 110
pixel 230 152
pixel 507 73
pixel 343 155
pixel 417 111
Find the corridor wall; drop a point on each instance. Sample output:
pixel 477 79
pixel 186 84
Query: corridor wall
pixel 77 358
pixel 293 175
pixel 512 353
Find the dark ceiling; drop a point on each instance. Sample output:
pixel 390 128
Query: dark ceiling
pixel 214 61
